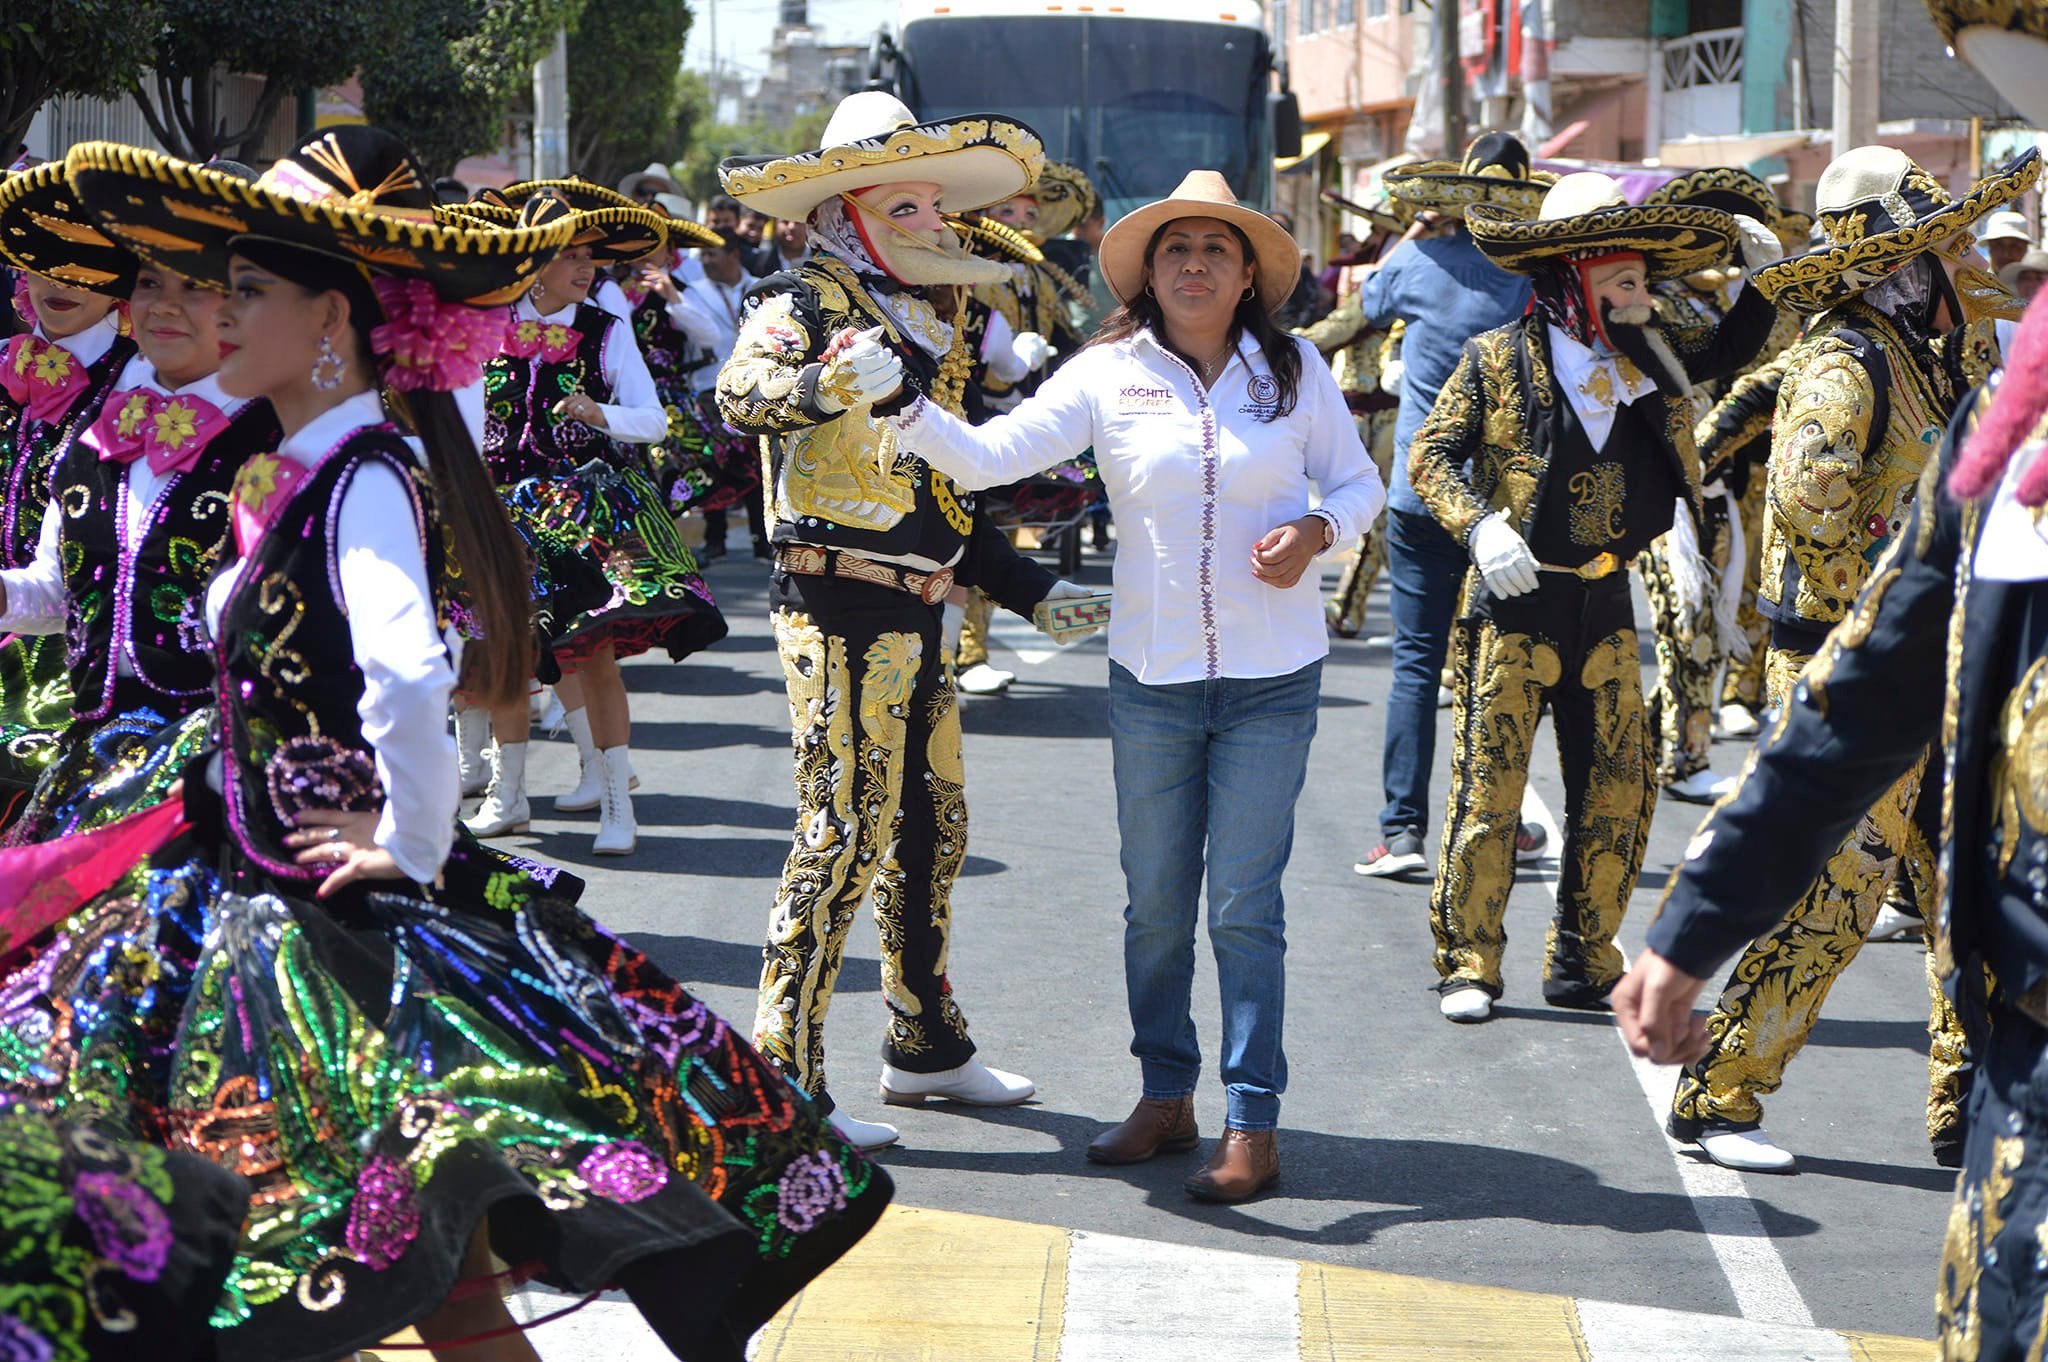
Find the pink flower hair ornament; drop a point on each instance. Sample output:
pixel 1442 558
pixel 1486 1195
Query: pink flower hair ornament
pixel 434 345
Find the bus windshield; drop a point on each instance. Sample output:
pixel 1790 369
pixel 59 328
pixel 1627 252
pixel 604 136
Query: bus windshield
pixel 1136 103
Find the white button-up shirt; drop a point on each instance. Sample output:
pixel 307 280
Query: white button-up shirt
pixel 1195 479
pixel 635 414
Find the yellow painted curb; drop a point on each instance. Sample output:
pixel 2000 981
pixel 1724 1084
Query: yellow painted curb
pixel 1349 1314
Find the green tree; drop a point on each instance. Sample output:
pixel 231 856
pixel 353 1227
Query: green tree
pixel 68 47
pixel 294 45
pixel 447 72
pixel 709 143
pixel 625 57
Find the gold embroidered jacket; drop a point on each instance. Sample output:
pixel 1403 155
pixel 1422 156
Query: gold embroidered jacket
pixel 1359 353
pixel 1847 453
pixel 1499 412
pixel 826 483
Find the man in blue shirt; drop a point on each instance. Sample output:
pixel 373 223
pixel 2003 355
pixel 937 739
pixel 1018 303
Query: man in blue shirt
pixel 1437 281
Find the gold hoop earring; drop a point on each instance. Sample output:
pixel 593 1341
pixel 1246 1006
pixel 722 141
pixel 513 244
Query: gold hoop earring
pixel 328 370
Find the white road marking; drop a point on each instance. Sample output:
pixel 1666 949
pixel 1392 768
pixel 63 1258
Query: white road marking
pixel 1641 1333
pixel 606 1330
pixel 1756 1273
pixel 1017 634
pixel 1133 1301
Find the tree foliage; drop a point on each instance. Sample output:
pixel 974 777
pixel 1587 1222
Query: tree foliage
pixel 68 47
pixel 293 45
pixel 625 58
pixel 709 143
pixel 447 71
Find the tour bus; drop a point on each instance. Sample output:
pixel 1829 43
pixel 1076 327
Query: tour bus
pixel 1134 92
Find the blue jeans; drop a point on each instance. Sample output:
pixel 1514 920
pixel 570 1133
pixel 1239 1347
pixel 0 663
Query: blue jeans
pixel 1425 568
pixel 1208 771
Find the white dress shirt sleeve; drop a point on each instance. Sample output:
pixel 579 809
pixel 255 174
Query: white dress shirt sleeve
pixel 609 296
pixel 407 672
pixel 637 417
pixel 999 349
pixel 36 599
pixel 691 317
pixel 1334 456
pixel 1049 427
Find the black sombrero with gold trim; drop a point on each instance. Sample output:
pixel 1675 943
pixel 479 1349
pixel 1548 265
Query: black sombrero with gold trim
pixel 1495 171
pixel 45 230
pixel 1879 210
pixel 354 193
pixel 1735 190
pixel 2006 41
pixel 1065 198
pixel 873 138
pixel 1586 214
pixel 996 240
pixel 614 227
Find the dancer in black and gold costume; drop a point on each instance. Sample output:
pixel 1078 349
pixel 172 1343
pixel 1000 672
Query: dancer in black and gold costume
pixel 868 543
pixel 1884 361
pixel 1577 424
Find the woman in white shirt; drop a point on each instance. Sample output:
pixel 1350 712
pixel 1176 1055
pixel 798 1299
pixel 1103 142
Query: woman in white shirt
pixel 1208 425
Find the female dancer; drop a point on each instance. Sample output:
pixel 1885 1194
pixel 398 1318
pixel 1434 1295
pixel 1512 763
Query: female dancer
pixel 415 1056
pixel 52 382
pixel 565 402
pixel 136 525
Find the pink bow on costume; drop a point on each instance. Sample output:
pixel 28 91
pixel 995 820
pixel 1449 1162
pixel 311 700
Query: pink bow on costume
pixel 171 432
pixel 552 341
pixel 42 377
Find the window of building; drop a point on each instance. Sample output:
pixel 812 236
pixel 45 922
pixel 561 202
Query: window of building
pixel 1279 12
pixel 1375 9
pixel 1310 19
pixel 1347 13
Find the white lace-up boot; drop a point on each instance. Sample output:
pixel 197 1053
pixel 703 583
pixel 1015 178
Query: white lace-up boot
pixel 589 791
pixel 472 735
pixel 616 829
pixel 504 809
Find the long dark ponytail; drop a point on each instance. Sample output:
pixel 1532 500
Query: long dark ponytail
pixel 1283 354
pixel 487 560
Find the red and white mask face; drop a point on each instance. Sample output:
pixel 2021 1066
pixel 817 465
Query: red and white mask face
pixel 1617 290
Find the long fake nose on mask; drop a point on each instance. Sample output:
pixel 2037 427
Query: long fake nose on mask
pixel 920 258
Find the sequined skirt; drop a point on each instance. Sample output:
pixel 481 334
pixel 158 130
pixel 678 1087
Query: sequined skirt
pixel 702 464
pixel 388 1069
pixel 105 769
pixel 658 599
pixel 35 708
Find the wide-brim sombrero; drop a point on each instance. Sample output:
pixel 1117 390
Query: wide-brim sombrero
pixel 1674 239
pixel 1817 280
pixel 975 159
pixel 1735 190
pixel 1202 194
pixel 46 230
pixel 2007 42
pixel 186 219
pixel 996 240
pixel 615 228
pixel 1444 187
pixel 1065 198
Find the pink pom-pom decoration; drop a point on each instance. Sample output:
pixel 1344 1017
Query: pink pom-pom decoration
pixel 434 345
pixel 2013 414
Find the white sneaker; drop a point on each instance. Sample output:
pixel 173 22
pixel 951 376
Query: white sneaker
pixel 973 1083
pixel 1701 787
pixel 1746 1151
pixel 504 810
pixel 1892 925
pixel 1466 1005
pixel 1738 722
pixel 862 1135
pixel 1444 697
pixel 982 679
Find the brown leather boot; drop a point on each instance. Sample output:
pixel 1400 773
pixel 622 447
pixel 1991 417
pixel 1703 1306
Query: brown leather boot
pixel 1155 1124
pixel 1246 1162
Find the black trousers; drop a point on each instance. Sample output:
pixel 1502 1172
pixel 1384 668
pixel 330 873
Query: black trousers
pixel 881 805
pixel 1989 1299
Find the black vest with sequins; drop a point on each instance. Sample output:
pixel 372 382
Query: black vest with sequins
pixel 288 683
pixel 146 599
pixel 29 450
pixel 523 437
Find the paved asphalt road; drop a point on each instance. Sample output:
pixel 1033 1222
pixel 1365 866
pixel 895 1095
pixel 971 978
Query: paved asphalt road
pixel 1521 1154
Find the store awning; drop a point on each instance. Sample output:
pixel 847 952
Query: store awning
pixel 1311 144
pixel 1733 149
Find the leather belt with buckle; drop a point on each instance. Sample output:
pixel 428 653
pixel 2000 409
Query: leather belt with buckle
pixel 809 560
pixel 1592 570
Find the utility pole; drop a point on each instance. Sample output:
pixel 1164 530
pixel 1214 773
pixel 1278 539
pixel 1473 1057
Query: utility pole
pixel 1856 72
pixel 551 111
pixel 1450 76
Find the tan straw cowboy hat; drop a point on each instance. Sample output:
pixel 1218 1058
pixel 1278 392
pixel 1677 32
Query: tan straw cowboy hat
pixel 1203 194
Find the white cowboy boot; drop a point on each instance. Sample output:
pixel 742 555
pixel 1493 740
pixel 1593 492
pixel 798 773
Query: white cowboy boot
pixel 616 829
pixel 504 809
pixel 589 791
pixel 472 734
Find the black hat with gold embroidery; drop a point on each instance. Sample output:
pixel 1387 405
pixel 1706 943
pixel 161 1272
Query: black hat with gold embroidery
pixel 1586 214
pixel 614 227
pixel 45 230
pixel 1495 171
pixel 354 193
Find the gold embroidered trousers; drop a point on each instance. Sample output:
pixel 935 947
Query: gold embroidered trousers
pixel 1744 683
pixel 1772 999
pixel 973 647
pixel 1682 707
pixel 1570 644
pixel 1345 610
pixel 881 805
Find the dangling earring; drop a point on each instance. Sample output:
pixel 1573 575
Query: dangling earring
pixel 1149 293
pixel 328 370
pixel 1250 292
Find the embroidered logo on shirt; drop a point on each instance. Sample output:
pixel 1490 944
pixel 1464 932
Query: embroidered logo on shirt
pixel 1264 390
pixel 1137 398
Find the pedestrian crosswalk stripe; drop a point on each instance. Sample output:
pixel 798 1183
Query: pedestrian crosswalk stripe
pixel 1133 1301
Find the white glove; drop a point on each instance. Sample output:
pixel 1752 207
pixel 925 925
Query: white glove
pixel 1032 350
pixel 862 374
pixel 1759 244
pixel 1064 590
pixel 1502 557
